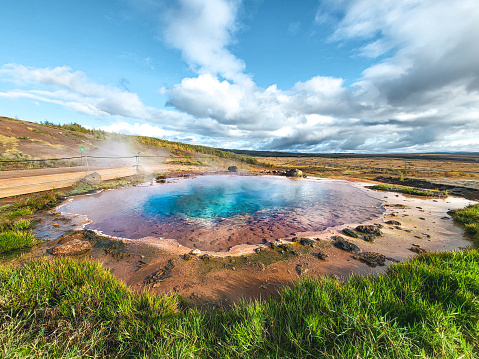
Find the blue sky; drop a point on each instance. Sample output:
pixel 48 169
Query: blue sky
pixel 309 75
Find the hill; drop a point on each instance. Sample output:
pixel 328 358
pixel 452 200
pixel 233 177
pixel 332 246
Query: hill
pixel 26 144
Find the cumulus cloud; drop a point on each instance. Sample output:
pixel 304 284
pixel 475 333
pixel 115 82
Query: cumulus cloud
pixel 420 94
pixel 422 89
pixel 202 30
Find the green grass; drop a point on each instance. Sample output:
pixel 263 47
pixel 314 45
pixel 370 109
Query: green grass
pixel 409 190
pixel 469 217
pixel 16 239
pixel 427 308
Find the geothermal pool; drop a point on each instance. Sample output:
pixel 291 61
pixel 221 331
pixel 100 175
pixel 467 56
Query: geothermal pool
pixel 214 213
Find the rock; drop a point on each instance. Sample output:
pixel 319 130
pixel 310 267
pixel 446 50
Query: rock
pixel 93 178
pixel 306 242
pixel 323 256
pixel 232 169
pixel 335 277
pixel 341 243
pixel 294 173
pixel 205 257
pixel 171 264
pixel 157 276
pixel 301 269
pixel 370 229
pixel 417 249
pixel 372 259
pixel 393 223
pixel 187 257
pixel 195 252
pixel 71 248
pixel 350 233
pixel 369 238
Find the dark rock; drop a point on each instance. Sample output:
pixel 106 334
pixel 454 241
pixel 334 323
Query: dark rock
pixel 372 259
pixel 417 249
pixel 370 229
pixel 369 238
pixel 350 233
pixel 205 257
pixel 294 173
pixel 187 256
pixel 71 248
pixel 341 243
pixel 157 277
pixel 323 256
pixel 393 223
pixel 232 169
pixel 306 242
pixel 301 269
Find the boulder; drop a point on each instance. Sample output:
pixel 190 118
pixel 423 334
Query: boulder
pixel 417 249
pixel 232 169
pixel 350 233
pixel 306 242
pixel 343 244
pixel 93 178
pixel 323 256
pixel 294 173
pixel 370 229
pixel 71 248
pixel 369 238
pixel 393 223
pixel 372 259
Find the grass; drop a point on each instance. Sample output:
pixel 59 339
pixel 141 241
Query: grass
pixel 469 217
pixel 14 230
pixel 16 239
pixel 409 190
pixel 428 308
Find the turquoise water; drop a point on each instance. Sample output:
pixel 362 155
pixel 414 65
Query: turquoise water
pixel 216 212
pixel 217 197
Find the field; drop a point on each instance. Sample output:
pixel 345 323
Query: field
pixel 368 167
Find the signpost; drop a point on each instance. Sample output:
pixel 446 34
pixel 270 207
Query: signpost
pixel 86 160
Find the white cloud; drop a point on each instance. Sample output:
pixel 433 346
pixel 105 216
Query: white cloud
pixel 202 30
pixel 140 129
pixel 422 94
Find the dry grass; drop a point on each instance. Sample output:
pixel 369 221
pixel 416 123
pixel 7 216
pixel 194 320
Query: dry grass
pixel 424 166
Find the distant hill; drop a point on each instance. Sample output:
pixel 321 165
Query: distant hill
pixel 439 156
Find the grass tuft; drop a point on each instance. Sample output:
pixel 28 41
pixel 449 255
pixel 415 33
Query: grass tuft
pixel 409 190
pixel 16 239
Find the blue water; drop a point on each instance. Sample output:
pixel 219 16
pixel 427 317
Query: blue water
pixel 216 212
pixel 220 196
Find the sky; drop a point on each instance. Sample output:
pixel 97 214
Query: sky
pixel 322 76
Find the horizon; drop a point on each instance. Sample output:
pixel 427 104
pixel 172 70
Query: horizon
pixel 316 77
